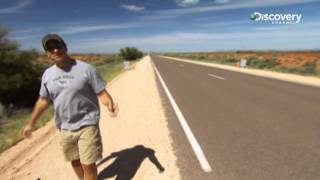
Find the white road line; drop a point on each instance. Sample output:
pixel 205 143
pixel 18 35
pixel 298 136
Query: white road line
pixel 215 76
pixel 193 141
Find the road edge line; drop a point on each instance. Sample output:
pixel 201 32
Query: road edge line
pixel 192 140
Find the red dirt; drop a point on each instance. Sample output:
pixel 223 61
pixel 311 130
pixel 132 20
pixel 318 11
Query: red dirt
pixel 290 58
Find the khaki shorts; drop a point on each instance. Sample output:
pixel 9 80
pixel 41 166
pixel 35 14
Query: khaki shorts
pixel 84 144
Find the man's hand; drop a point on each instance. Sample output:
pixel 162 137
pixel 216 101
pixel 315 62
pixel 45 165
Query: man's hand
pixel 26 131
pixel 107 100
pixel 113 110
pixel 41 104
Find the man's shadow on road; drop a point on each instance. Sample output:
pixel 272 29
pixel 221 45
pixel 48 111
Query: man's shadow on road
pixel 127 163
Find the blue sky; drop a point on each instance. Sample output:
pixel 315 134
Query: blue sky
pixel 105 26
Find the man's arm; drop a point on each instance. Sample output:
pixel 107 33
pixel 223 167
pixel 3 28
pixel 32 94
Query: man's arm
pixel 41 105
pixel 107 100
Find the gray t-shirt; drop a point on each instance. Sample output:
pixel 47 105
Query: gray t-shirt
pixel 74 94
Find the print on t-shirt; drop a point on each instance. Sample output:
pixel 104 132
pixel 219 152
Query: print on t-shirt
pixel 64 80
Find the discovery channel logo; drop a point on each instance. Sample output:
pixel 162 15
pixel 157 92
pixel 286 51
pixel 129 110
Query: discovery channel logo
pixel 277 18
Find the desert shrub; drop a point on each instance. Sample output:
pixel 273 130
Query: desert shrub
pixel 201 57
pixel 130 53
pixel 230 61
pixel 308 68
pixel 262 64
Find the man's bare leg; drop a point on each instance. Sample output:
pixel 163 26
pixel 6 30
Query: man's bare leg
pixel 76 165
pixel 90 171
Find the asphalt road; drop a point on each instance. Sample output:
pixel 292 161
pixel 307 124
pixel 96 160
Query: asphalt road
pixel 249 127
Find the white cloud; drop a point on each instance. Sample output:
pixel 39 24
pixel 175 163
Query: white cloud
pixel 20 38
pixel 223 24
pixel 194 41
pixel 232 5
pixel 186 3
pixel 222 1
pixel 132 7
pixel 20 5
pixel 74 29
pixel 182 40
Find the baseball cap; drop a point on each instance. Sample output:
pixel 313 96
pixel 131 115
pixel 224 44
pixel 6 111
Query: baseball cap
pixel 52 36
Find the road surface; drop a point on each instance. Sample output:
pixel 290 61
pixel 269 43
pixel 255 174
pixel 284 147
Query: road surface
pixel 249 127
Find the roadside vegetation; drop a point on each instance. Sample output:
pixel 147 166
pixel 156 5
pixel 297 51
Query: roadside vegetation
pixel 130 53
pixel 308 68
pixel 296 62
pixel 20 77
pixel 20 81
pixel 11 127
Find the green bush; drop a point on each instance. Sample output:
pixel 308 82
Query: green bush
pixel 130 53
pixel 227 61
pixel 308 68
pixel 201 57
pixel 262 64
pixel 19 76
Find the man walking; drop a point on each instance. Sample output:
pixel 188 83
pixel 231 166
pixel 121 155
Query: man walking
pixel 74 87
